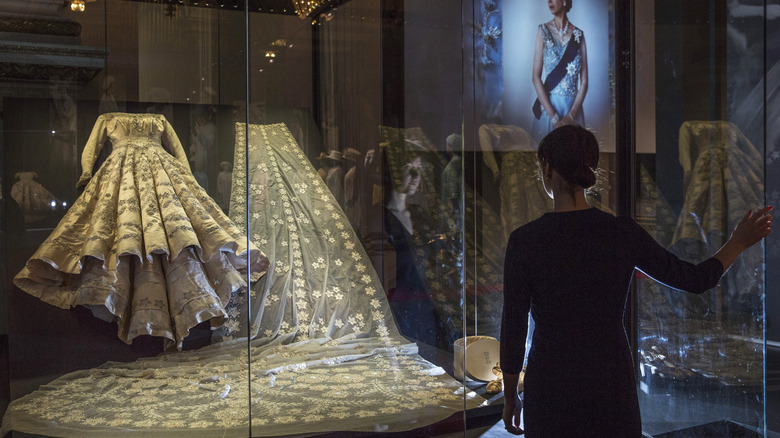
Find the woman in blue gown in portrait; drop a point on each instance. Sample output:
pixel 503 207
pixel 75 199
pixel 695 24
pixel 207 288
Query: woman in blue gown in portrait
pixel 560 72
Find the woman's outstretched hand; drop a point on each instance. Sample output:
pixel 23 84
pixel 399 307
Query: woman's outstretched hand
pixel 751 229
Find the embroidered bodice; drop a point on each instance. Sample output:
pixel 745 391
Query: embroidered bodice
pixel 553 51
pixel 125 129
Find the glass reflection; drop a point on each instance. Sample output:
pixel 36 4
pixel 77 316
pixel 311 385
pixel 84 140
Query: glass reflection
pixel 435 245
pixel 702 357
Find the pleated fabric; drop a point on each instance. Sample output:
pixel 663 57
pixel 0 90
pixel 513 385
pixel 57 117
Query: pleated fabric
pixel 144 244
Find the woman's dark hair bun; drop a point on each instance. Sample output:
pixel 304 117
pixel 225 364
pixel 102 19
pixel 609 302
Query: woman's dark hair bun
pixel 568 5
pixel 584 177
pixel 573 152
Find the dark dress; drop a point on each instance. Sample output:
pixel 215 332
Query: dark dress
pixel 410 300
pixel 573 271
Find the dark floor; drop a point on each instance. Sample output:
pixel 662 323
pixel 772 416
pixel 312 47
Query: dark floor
pixel 667 414
pixel 773 390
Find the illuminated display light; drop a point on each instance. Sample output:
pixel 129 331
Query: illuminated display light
pixel 77 5
pixel 304 8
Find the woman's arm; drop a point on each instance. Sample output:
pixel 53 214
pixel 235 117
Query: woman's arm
pixel 517 303
pixel 514 330
pixel 536 76
pixel 576 107
pixel 665 267
pixel 513 406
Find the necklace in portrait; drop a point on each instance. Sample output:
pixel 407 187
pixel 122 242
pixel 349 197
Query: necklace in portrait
pixel 563 31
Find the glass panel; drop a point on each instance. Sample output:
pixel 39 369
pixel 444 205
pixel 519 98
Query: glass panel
pixel 115 120
pixel 700 145
pixel 343 197
pixel 772 244
pixel 345 319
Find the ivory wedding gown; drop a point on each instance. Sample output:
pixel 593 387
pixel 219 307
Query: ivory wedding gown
pixel 144 244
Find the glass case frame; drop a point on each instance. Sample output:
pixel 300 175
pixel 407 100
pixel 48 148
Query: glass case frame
pixel 406 93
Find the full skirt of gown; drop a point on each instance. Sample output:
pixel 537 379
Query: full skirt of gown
pixel 146 246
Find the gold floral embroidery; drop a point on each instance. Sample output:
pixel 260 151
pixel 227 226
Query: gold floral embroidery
pixel 142 211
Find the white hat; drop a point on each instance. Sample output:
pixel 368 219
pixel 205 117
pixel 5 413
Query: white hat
pixel 335 155
pixel 351 154
pixel 481 355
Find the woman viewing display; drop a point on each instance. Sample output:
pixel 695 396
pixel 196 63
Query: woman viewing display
pixel 572 269
pixel 560 71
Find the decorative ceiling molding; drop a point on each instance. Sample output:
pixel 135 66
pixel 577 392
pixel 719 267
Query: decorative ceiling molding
pixel 46 73
pixel 28 49
pixel 36 26
pixel 31 8
pixel 25 61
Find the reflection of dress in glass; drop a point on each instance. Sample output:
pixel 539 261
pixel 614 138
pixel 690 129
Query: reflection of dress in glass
pixel 446 256
pixel 224 184
pixel 33 198
pixel 410 301
pixel 144 244
pixel 562 95
pixel 523 197
pixel 723 178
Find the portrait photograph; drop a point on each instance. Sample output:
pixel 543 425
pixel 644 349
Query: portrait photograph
pixel 540 55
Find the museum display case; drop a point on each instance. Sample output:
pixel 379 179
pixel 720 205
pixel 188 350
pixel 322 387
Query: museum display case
pixel 287 217
pixel 219 213
pixel 707 142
